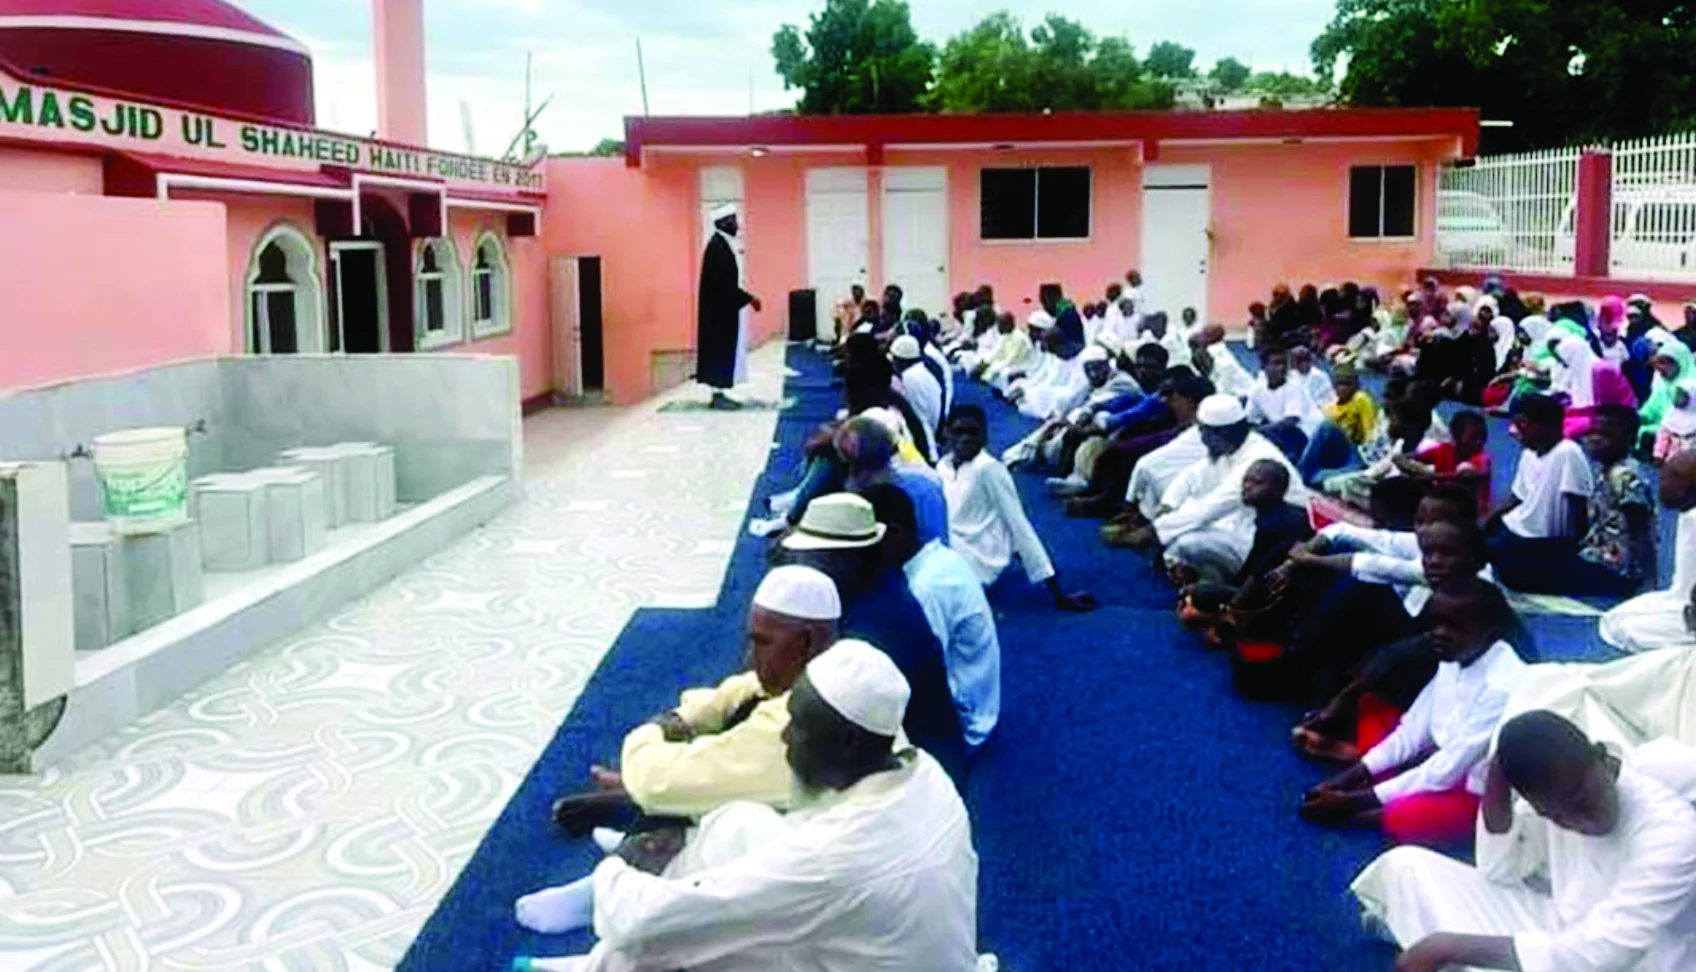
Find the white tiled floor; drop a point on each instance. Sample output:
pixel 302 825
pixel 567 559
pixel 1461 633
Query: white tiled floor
pixel 308 808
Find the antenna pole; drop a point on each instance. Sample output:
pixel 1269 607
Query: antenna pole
pixel 642 75
pixel 529 136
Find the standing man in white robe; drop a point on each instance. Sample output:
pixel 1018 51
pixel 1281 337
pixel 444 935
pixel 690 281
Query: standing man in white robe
pixel 724 312
pixel 1658 619
pixel 1618 836
pixel 874 869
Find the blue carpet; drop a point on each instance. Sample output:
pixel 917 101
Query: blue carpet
pixel 1130 811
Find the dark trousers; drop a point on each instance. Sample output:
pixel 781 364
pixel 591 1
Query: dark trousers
pixel 1350 621
pixel 1114 466
pixel 1551 565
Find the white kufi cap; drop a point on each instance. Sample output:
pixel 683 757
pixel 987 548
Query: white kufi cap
pixel 1217 411
pixel 1093 353
pixel 802 593
pixel 905 347
pixel 862 685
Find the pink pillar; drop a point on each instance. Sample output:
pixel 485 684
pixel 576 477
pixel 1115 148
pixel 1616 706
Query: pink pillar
pixel 1593 225
pixel 399 28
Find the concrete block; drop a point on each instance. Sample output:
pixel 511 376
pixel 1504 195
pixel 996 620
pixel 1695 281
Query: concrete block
pixel 101 597
pixel 234 528
pixel 329 465
pixel 37 601
pixel 368 481
pixel 294 510
pixel 162 573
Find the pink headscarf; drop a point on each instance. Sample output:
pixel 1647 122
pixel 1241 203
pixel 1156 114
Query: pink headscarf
pixel 1611 313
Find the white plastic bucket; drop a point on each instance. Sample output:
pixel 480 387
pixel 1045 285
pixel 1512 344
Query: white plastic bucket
pixel 143 477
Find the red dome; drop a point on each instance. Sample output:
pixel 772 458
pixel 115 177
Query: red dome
pixel 204 53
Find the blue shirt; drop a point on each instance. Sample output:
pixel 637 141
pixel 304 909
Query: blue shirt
pixel 958 613
pixel 1149 409
pixel 930 506
pixel 889 617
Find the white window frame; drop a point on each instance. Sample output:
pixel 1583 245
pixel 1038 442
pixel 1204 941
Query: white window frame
pixel 453 305
pixel 310 314
pixel 1348 201
pixel 500 320
pixel 1036 208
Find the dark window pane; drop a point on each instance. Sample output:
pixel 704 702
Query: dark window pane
pixel 1365 187
pixel 256 311
pixel 1062 203
pixel 1398 200
pixel 428 264
pixel 485 296
pixel 279 310
pixel 433 319
pixel 1008 204
pixel 273 265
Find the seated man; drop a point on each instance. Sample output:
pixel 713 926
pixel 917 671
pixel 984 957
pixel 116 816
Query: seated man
pixel 874 867
pixel 869 450
pixel 987 521
pixel 1073 420
pixel 1319 386
pixel 723 743
pixel 1278 526
pixel 1619 838
pixel 1013 352
pixel 867 555
pixel 1660 619
pixel 1205 524
pixel 921 388
pixel 1421 782
pixel 1127 468
pixel 1217 364
pixel 1548 510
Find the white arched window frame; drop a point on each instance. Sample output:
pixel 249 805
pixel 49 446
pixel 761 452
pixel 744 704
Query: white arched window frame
pixel 437 307
pixel 491 288
pixel 284 298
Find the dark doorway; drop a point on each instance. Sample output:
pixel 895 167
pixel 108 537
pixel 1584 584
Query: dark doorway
pixel 589 320
pixel 359 299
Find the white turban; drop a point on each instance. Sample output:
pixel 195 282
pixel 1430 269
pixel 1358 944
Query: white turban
pixel 802 593
pixel 862 685
pixel 721 211
pixel 1217 411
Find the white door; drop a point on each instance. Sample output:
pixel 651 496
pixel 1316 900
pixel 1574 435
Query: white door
pixel 838 239
pixel 567 326
pixel 915 236
pixel 1175 243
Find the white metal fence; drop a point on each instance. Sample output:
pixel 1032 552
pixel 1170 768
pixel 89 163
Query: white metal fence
pixel 1508 212
pixel 1654 218
pixel 1518 212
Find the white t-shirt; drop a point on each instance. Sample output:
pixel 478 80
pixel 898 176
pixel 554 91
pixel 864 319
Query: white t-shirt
pixel 1289 400
pixel 1542 483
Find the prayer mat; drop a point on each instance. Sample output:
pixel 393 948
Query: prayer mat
pixel 748 405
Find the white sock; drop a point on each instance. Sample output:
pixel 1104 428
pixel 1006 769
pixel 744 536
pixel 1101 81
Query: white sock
pixel 554 911
pixel 607 839
pixel 783 502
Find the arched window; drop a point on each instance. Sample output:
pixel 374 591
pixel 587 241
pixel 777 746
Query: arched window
pixel 491 304
pixel 284 294
pixel 436 305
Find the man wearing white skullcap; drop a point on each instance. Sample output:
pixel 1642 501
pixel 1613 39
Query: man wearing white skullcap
pixel 722 313
pixel 1071 420
pixel 875 869
pixel 717 746
pixel 921 389
pixel 1203 522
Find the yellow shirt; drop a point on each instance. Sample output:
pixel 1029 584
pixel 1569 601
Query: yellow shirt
pixel 744 762
pixel 1359 418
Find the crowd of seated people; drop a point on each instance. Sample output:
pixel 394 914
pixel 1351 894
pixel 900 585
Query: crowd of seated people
pixel 1344 548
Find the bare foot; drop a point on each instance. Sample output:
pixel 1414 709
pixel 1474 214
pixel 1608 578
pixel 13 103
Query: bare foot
pixel 1323 748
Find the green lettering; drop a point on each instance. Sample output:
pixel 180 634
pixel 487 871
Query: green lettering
pixel 152 124
pixel 249 139
pixel 50 114
pixel 22 109
pixel 268 141
pixel 82 113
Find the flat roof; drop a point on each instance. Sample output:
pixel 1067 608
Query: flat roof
pixel 826 132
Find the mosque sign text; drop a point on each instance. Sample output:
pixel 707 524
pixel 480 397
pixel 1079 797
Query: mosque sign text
pixel 38 112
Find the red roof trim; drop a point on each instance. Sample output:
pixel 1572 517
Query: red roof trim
pixel 207 13
pixel 889 130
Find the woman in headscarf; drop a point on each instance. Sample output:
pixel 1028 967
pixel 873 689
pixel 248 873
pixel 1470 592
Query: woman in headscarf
pixel 1283 318
pixel 1669 414
pixel 1310 311
pixel 1610 318
pixel 1588 382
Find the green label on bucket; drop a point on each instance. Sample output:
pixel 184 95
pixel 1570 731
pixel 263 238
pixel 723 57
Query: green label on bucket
pixel 157 490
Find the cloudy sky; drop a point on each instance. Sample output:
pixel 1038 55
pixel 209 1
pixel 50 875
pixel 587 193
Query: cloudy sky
pixel 702 56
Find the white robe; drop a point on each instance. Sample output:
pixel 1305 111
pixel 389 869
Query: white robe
pixel 1209 526
pixel 924 394
pixel 1624 902
pixel 987 524
pixel 1229 376
pixel 1154 473
pixel 867 879
pixel 1656 620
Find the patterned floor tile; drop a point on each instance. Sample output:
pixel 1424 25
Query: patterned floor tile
pixel 309 807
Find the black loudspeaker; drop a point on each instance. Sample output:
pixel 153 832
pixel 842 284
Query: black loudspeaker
pixel 803 315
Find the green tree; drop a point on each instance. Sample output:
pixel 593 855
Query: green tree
pixel 607 148
pixel 856 57
pixel 1062 66
pixel 1563 73
pixel 1229 75
pixel 1169 60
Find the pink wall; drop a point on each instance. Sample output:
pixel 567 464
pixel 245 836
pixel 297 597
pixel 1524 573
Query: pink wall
pixel 247 218
pixel 1280 213
pixel 162 293
pixel 25 170
pixel 530 339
